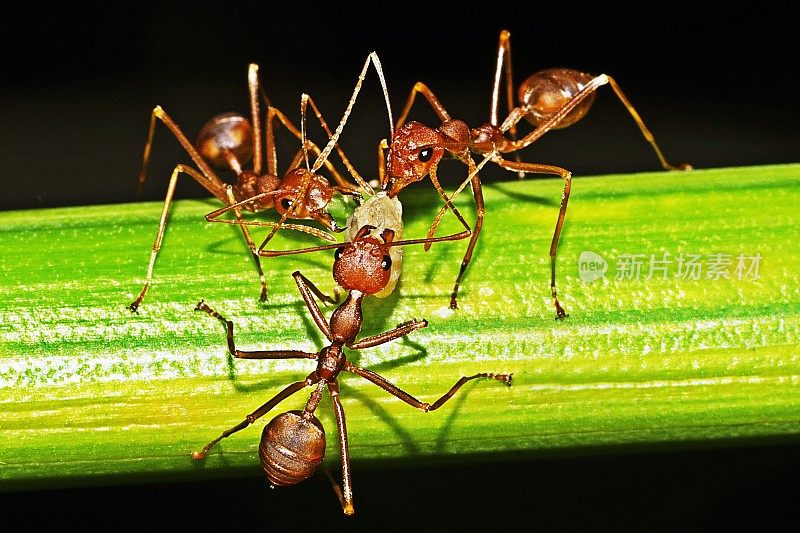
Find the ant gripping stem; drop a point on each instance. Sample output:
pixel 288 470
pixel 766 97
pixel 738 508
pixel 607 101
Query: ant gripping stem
pixel 293 443
pixel 550 99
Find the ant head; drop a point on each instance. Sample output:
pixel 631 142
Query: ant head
pixel 226 141
pixel 414 150
pixel 364 264
pixel 290 189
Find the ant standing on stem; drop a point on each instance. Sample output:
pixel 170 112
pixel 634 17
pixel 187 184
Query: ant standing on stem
pixel 293 443
pixel 549 99
pixel 230 141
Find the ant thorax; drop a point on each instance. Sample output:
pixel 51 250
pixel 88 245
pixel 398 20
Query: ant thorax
pixel 381 212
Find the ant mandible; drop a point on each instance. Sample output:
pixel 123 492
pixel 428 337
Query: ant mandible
pixel 230 141
pixel 293 443
pixel 549 99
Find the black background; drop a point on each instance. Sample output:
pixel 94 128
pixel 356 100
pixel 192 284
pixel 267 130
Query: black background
pixel 717 86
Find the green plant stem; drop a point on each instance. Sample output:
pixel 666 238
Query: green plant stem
pixel 89 391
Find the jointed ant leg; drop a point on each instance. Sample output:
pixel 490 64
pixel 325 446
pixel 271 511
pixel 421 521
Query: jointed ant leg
pixel 270 354
pixel 173 181
pixel 307 291
pixel 208 179
pixel 258 413
pixel 346 497
pixel 400 331
pixel 504 67
pixel 249 240
pixel 562 213
pixel 392 389
pixel 437 106
pixel 480 211
pixel 645 132
pixel 254 85
pixel 447 203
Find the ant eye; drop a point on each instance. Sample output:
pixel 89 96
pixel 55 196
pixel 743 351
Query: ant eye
pixel 386 264
pixel 286 204
pixel 425 154
pixel 337 254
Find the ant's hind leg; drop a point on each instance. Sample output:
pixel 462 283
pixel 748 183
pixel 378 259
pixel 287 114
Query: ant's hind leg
pixel 258 413
pixel 345 493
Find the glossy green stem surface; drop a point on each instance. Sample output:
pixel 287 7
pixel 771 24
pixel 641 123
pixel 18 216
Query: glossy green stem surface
pixel 684 328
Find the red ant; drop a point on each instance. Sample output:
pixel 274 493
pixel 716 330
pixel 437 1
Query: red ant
pixel 230 141
pixel 293 443
pixel 549 99
pixel 378 209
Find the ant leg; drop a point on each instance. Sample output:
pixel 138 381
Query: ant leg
pixel 400 331
pixel 392 389
pixel 208 179
pixel 592 86
pixel 271 354
pixel 480 211
pixel 645 132
pixel 250 244
pixel 318 293
pixel 173 181
pixel 346 493
pixel 504 66
pixel 254 86
pixel 423 89
pixel 566 175
pixel 214 216
pixel 258 413
pixel 448 202
pixel 307 291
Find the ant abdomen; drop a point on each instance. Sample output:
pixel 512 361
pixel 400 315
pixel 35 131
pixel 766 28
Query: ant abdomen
pixel 292 446
pixel 226 141
pixel 547 91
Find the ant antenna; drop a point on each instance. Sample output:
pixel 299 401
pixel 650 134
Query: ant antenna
pixel 379 69
pixel 373 57
pixel 303 134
